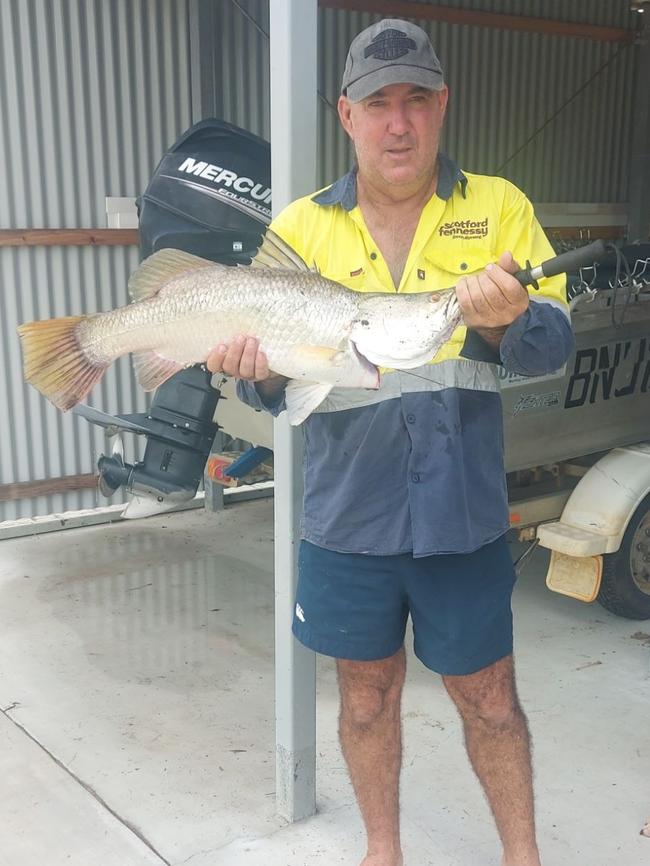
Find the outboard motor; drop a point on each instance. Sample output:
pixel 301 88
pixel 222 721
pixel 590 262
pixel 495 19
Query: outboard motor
pixel 211 196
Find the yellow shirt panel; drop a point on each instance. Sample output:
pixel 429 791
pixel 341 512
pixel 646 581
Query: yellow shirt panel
pixel 454 238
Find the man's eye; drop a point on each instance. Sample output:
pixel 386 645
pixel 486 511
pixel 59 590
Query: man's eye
pixel 376 103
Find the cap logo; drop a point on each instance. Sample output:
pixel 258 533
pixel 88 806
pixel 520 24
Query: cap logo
pixel 390 45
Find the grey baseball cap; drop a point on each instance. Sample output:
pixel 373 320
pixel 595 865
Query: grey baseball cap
pixel 391 51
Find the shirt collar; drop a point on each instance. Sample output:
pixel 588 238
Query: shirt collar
pixel 344 190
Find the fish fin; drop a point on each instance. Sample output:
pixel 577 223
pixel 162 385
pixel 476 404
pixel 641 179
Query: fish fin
pixel 153 369
pixel 159 269
pixel 302 398
pixel 274 253
pixel 389 363
pixel 55 363
pixel 320 354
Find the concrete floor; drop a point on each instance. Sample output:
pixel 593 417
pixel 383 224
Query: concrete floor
pixel 136 696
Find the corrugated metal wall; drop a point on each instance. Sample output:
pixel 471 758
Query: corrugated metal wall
pixel 506 88
pixel 241 68
pixel 91 95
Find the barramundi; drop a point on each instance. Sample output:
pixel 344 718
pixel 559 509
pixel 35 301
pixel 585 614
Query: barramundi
pixel 316 332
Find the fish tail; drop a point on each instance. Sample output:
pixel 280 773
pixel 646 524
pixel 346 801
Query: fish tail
pixel 55 363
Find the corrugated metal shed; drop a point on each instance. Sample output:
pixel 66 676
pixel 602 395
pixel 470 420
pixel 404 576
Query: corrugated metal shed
pixel 91 95
pixel 511 110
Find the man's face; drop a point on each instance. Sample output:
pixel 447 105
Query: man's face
pixel 396 132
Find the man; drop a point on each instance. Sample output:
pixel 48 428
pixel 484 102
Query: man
pixel 405 504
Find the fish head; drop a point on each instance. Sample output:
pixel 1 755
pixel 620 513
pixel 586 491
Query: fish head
pixel 404 331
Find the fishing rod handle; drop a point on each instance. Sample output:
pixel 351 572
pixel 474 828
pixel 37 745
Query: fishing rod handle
pixel 572 260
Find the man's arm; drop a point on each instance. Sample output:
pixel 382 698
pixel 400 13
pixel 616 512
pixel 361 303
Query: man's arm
pixel 528 337
pixel 527 331
pixel 257 385
pixel 492 336
pixel 492 300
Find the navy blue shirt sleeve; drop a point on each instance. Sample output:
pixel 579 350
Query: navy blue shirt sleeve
pixel 248 393
pixel 538 342
pixel 475 348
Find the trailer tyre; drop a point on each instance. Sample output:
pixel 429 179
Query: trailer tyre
pixel 625 587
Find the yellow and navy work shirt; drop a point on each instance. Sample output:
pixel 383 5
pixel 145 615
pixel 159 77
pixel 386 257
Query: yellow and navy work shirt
pixel 418 465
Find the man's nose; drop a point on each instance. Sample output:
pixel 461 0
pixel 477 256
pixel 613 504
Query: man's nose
pixel 398 123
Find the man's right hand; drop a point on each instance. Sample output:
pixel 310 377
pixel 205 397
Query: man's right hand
pixel 243 359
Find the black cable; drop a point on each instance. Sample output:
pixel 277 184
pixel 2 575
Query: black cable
pixel 247 15
pixel 562 107
pixel 621 261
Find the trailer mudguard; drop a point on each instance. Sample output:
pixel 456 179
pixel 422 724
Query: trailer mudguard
pixel 598 511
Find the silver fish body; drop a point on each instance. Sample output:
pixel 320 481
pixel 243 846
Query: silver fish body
pixel 315 331
pixel 302 321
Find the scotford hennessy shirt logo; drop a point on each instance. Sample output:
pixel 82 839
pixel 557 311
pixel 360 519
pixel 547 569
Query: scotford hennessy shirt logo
pixel 465 229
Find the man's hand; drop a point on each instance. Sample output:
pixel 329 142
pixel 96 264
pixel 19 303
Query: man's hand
pixel 243 359
pixel 493 299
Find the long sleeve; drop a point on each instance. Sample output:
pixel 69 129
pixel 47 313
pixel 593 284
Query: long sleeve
pixel 247 393
pixel 541 339
pixel 538 342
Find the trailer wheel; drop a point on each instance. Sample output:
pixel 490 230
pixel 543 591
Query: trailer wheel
pixel 625 587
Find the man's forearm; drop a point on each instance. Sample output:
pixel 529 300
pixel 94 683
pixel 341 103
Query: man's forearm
pixel 492 336
pixel 271 388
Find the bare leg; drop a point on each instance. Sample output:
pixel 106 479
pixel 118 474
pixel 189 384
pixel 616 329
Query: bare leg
pixel 370 732
pixel 498 745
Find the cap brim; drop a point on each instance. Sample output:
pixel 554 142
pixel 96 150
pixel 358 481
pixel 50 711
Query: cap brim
pixel 394 74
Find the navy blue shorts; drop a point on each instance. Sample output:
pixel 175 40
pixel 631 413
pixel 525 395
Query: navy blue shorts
pixel 354 606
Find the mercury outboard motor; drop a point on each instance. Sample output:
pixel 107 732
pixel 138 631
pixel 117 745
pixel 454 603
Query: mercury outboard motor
pixel 211 196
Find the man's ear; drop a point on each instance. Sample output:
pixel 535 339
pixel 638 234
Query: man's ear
pixel 344 107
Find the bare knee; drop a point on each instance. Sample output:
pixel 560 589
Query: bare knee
pixel 366 706
pixel 488 697
pixel 370 690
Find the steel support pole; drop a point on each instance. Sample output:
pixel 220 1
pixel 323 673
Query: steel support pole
pixel 293 54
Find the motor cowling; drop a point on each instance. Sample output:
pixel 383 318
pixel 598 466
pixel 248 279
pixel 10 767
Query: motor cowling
pixel 210 195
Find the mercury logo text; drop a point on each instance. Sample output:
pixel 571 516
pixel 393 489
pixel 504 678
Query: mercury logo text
pixel 228 178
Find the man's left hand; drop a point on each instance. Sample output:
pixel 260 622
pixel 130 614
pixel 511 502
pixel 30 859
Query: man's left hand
pixel 492 299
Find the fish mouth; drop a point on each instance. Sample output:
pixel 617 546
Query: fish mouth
pixel 373 376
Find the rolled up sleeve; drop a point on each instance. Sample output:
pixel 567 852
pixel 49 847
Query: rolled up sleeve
pixel 541 339
pixel 248 393
pixel 538 342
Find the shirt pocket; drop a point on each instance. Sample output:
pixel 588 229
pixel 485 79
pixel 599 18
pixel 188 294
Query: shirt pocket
pixel 452 263
pixel 359 280
pixel 449 264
